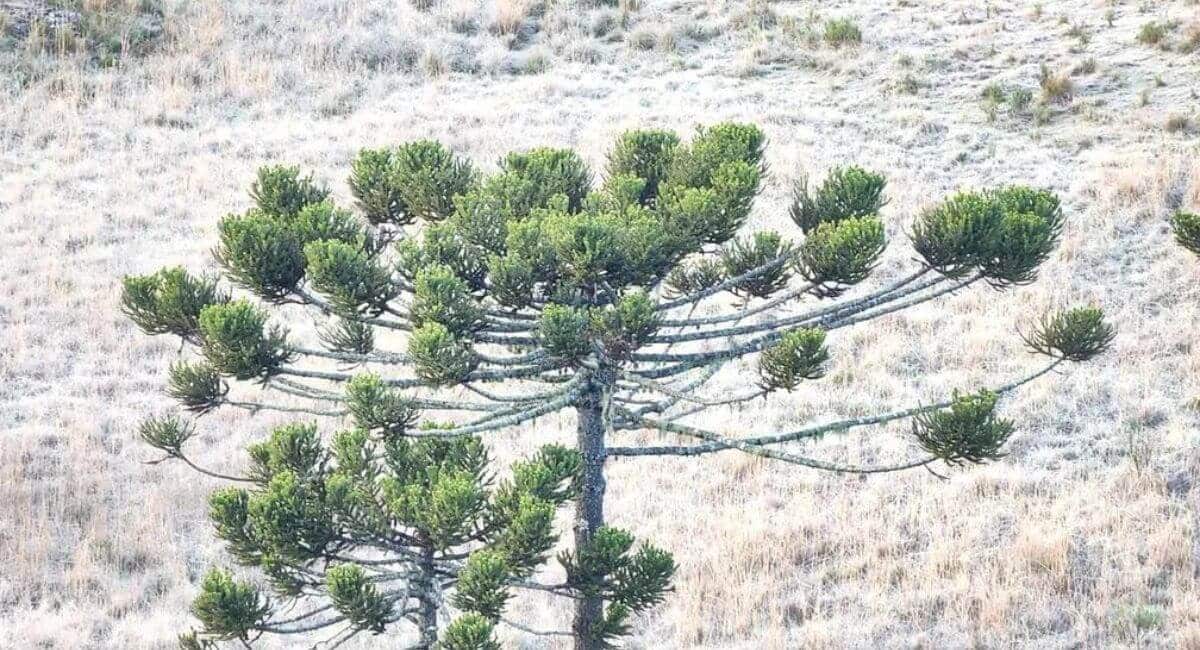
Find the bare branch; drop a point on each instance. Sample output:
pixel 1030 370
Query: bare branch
pixel 766 452
pixel 727 284
pixel 813 431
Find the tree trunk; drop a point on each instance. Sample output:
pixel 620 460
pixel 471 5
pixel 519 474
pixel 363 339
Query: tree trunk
pixel 593 414
pixel 427 609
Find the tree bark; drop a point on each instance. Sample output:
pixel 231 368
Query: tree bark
pixel 427 612
pixel 592 410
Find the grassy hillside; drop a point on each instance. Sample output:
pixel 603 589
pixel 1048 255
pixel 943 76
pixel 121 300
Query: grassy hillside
pixel 1086 535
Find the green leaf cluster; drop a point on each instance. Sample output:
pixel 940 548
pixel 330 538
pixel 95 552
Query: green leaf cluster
pixel 1004 234
pixel 629 581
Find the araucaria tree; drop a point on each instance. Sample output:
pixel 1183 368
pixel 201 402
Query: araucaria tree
pixel 456 305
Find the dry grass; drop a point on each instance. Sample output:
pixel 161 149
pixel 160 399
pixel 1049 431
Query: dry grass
pixel 1066 543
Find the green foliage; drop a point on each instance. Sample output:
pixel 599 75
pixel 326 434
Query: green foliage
pixel 596 250
pixel 630 582
pixel 696 164
pixel 691 215
pixel 841 253
pixel 513 278
pixel 1076 334
pixel 377 407
pixel 429 177
pixel 527 530
pixel 379 197
pixel 353 281
pixel 485 213
pixel 842 31
pixel 551 475
pixel 261 254
pixel 982 231
pixel 294 448
pixel 687 279
pixel 1186 226
pixel 197 386
pixel 482 585
pixel 846 193
pixel 417 180
pixel 619 193
pixel 563 332
pixel 228 609
pixel 627 325
pixel 440 359
pixel 800 354
pixel 429 494
pixel 356 598
pixel 325 221
pixel 967 432
pixel 469 632
pixel 645 154
pixel 235 340
pixel 441 297
pixel 280 192
pixel 1152 33
pixel 444 244
pixel 167 434
pixel 348 335
pixel 736 185
pixel 551 171
pixel 169 301
pixel 436 487
pixel 1018 199
pixel 711 184
pixel 289 518
pixel 750 253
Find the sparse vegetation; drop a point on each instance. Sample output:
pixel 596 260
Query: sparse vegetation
pixel 1179 123
pixel 102 32
pixel 1056 86
pixel 842 31
pixel 1152 33
pixel 1086 66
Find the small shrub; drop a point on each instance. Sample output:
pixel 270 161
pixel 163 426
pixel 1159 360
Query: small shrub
pixel 758 15
pixel 510 15
pixel 1191 42
pixel 1178 123
pixel 434 64
pixel 1087 66
pixel 842 31
pixel 1056 86
pixel 642 39
pixel 1152 33
pixel 1079 33
pixel 1041 115
pixel 1019 100
pixel 605 23
pixel 994 93
pixel 537 62
pixel 908 85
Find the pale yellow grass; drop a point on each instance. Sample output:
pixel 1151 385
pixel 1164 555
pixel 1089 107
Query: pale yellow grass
pixel 1062 544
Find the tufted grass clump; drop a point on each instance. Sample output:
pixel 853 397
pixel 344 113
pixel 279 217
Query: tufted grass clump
pixel 1152 33
pixel 1056 86
pixel 842 31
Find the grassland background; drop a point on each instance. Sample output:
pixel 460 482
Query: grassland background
pixel 1084 536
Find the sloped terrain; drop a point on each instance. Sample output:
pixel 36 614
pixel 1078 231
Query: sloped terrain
pixel 1084 536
